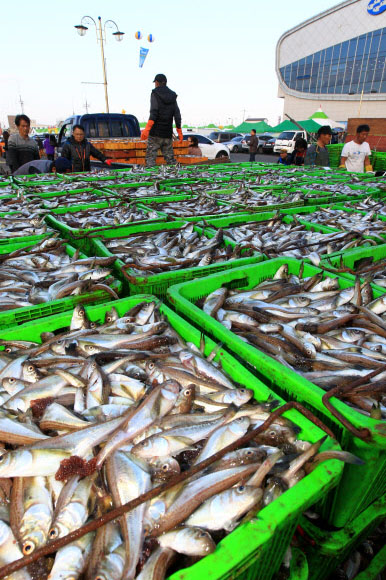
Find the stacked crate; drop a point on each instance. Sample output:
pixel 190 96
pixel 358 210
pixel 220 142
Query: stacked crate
pixel 134 151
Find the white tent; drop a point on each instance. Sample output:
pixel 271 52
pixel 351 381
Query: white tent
pixel 321 118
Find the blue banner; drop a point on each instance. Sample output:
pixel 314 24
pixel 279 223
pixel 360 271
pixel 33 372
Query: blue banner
pixel 142 56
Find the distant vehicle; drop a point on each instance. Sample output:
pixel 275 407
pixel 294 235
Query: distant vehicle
pixel 262 141
pixel 101 126
pixel 286 140
pixel 269 145
pixel 235 145
pixel 209 148
pixel 223 136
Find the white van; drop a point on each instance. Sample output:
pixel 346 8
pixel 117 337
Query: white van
pixel 286 140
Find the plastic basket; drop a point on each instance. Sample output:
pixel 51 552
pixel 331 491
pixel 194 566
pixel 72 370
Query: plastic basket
pixel 331 549
pixel 351 258
pixel 255 549
pixel 299 565
pixel 9 318
pixel 158 283
pixel 360 485
pixel 55 222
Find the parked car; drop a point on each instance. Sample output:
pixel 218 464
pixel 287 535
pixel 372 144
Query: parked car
pixel 262 141
pixel 245 142
pixel 223 136
pixel 235 145
pixel 209 148
pixel 286 140
pixel 269 145
pixel 101 125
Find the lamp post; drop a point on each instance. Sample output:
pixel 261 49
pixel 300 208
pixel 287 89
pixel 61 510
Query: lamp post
pixel 101 38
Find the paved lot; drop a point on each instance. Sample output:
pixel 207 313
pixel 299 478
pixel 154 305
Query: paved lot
pixel 243 157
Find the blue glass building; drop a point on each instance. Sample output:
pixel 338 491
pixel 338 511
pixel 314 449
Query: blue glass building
pixel 336 60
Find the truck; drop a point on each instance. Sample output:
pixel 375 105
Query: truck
pixel 286 140
pixel 101 126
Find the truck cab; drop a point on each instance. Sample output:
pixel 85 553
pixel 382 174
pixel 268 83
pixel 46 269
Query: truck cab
pixel 286 140
pixel 101 126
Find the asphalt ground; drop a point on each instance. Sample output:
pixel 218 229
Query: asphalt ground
pixel 243 157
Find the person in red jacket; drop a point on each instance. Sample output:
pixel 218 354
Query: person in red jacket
pixel 159 129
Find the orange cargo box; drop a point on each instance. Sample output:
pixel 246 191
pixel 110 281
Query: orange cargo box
pixel 191 160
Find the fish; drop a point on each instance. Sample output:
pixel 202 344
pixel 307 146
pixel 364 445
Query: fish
pixel 84 432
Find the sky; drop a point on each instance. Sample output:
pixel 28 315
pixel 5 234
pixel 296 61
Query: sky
pixel 219 57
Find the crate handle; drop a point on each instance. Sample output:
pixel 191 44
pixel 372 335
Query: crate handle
pixel 363 434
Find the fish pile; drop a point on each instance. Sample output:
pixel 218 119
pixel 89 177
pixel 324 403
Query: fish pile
pixel 368 204
pixel 250 197
pixel 168 250
pixel 86 197
pixel 335 188
pixel 201 205
pixel 99 414
pixel 374 272
pixel 331 336
pixel 365 225
pixel 37 178
pixel 6 189
pixel 109 216
pixel 20 203
pixel 44 272
pixel 58 187
pixel 274 237
pixel 19 225
pixel 128 192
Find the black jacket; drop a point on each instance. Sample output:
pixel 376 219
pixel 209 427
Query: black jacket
pixel 79 154
pixel 163 108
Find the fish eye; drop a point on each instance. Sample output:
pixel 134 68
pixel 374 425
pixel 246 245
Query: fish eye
pixel 11 380
pixel 8 349
pixel 242 391
pixel 30 368
pixel 28 547
pixel 100 578
pixel 272 433
pixel 165 467
pixel 89 347
pixel 240 489
pixel 187 392
pixel 151 366
pixel 53 533
pixel 249 452
pixel 59 341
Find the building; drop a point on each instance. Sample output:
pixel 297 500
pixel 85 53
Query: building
pixel 335 60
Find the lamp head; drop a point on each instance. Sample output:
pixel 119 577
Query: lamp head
pixel 81 29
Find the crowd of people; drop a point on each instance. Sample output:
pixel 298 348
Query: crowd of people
pixel 355 154
pixel 25 155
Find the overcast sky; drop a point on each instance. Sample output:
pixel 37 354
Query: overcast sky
pixel 219 56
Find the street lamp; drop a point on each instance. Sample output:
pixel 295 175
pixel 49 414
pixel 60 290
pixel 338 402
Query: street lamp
pixel 101 38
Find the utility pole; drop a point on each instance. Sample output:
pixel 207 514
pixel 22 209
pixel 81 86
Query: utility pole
pixel 86 106
pixel 21 104
pixel 244 111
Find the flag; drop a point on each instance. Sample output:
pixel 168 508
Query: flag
pixel 142 56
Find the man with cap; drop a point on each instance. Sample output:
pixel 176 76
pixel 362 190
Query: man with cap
pixel 60 165
pixel 159 129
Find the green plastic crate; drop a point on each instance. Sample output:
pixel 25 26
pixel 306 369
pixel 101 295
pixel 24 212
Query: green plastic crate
pixel 232 221
pixel 331 549
pixel 360 485
pixel 9 318
pixel 55 222
pixel 255 549
pixel 158 283
pixel 299 565
pixel 352 257
pixel 375 568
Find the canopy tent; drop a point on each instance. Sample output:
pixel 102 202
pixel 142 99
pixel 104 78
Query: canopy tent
pixel 319 114
pixel 284 126
pixel 261 127
pixel 310 125
pixel 321 118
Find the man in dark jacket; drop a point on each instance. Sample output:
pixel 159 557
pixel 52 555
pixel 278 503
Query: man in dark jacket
pixel 159 128
pixel 253 145
pixel 78 150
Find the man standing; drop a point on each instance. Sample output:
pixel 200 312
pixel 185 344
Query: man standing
pixel 79 150
pixel 21 148
pixel 317 153
pixel 356 153
pixel 253 145
pixel 159 129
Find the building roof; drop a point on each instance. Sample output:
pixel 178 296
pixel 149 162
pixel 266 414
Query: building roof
pixel 319 114
pixel 246 126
